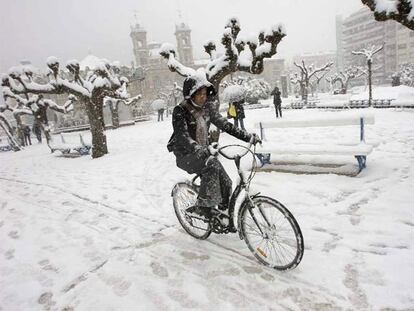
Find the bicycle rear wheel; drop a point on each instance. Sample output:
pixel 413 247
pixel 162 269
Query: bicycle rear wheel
pixel 185 195
pixel 271 233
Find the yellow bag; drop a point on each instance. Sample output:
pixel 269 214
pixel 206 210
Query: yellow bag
pixel 232 111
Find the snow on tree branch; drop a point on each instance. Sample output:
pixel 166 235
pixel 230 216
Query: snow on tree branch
pixel 241 54
pixel 345 76
pixel 401 11
pixel 168 52
pixel 307 74
pixel 89 87
pixel 369 52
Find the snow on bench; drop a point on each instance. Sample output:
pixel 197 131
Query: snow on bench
pixel 5 144
pixel 69 143
pixel 256 106
pixel 302 104
pixel 364 103
pixel 360 151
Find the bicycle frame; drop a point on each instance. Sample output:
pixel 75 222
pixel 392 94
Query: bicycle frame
pixel 242 185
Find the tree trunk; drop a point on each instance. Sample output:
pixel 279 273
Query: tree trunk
pixel 305 92
pixel 19 129
pixel 114 115
pixel 94 109
pixel 370 82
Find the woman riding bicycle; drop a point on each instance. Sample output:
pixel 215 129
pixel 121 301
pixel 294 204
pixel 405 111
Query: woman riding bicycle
pixel 190 143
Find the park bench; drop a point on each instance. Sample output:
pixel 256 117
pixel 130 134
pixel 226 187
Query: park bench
pixel 5 144
pixel 364 103
pixel 75 128
pixel 70 143
pixel 382 103
pixel 141 118
pixel 360 151
pixel 256 106
pixel 301 104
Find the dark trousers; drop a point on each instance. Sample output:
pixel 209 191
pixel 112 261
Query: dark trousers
pixel 160 116
pixel 236 123
pixel 27 139
pixel 278 109
pixel 215 187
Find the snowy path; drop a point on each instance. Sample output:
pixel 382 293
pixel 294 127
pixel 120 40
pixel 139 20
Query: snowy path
pixel 82 234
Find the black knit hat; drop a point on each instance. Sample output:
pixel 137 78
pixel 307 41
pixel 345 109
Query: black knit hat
pixel 193 83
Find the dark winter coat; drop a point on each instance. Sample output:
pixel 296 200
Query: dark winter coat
pixel 26 130
pixel 183 141
pixel 239 109
pixel 277 101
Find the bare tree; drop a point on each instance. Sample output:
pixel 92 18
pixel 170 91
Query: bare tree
pixel 97 84
pixel 345 76
pixel 241 54
pixel 369 54
pixel 404 76
pixel 398 10
pixel 113 103
pixel 34 105
pixel 306 76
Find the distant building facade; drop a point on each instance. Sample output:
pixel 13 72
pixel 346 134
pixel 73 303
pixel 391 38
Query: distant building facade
pixel 157 76
pixel 360 30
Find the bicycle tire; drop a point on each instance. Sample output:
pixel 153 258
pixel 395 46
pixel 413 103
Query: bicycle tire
pixel 189 193
pixel 265 253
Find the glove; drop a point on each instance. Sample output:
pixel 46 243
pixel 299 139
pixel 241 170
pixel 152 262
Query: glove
pixel 213 149
pixel 255 139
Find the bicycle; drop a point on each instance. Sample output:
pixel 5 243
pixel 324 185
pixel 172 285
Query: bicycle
pixel 261 220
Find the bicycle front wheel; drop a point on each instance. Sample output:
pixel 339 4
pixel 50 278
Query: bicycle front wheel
pixel 271 233
pixel 185 195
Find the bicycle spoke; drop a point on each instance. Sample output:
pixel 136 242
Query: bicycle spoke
pixel 277 244
pixel 184 197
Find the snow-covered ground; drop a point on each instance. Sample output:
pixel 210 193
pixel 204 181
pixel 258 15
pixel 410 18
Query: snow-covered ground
pixel 83 234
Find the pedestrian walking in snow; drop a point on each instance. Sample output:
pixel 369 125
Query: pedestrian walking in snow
pixel 277 101
pixel 161 114
pixel 26 133
pixel 38 131
pixel 190 144
pixel 239 114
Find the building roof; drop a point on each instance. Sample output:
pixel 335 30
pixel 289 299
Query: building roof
pixel 182 27
pixel 90 61
pixel 137 28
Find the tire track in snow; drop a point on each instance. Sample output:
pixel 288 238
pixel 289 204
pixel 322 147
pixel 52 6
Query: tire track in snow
pixel 92 201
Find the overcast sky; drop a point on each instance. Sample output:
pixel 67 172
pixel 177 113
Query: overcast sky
pixel 35 29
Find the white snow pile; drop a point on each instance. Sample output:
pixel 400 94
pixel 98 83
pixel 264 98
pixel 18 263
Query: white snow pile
pixel 233 93
pixel 403 95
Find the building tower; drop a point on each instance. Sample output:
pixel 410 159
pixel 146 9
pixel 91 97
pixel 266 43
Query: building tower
pixel 139 42
pixel 184 47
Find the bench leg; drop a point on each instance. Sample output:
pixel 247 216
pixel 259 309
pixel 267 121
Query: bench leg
pixel 83 150
pixel 361 162
pixel 264 158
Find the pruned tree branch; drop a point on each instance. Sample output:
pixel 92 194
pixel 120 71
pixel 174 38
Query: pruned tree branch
pixel 398 10
pixel 240 54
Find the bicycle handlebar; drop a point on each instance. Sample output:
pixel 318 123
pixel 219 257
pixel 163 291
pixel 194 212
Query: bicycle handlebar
pixel 220 151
